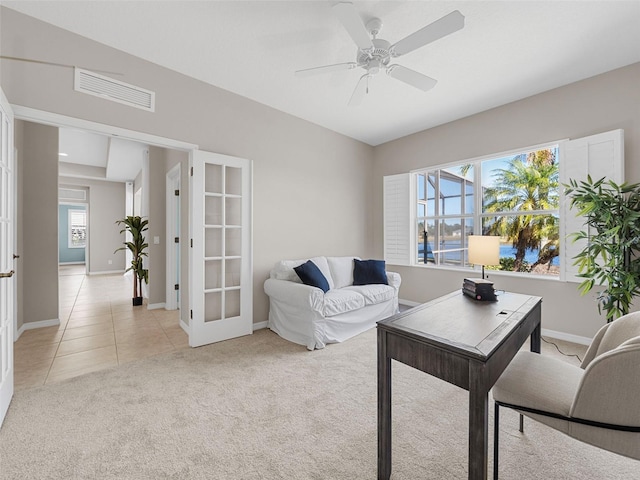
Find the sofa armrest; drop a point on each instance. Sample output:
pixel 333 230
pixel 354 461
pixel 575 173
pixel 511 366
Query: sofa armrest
pixel 394 279
pixel 295 294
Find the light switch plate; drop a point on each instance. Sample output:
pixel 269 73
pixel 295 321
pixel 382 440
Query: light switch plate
pixel 156 240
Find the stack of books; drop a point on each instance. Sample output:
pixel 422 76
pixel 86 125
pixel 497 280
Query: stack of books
pixel 479 289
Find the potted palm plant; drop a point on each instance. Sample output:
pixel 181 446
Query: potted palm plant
pixel 137 245
pixel 611 255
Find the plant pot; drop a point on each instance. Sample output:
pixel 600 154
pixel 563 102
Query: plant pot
pixel 136 301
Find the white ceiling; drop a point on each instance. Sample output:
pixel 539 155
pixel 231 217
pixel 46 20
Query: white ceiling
pixel 110 158
pixel 507 50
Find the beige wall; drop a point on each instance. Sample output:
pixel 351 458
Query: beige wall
pixel 38 190
pixel 602 103
pixel 157 225
pixel 312 186
pixel 106 206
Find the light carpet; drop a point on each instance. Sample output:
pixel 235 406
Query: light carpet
pixel 259 407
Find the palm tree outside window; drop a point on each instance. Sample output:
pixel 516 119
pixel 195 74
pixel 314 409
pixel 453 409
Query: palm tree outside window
pixel 514 197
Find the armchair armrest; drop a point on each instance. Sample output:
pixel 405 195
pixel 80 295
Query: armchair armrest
pixel 610 388
pixel 394 279
pixel 295 294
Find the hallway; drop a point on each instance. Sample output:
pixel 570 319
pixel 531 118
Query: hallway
pixel 99 328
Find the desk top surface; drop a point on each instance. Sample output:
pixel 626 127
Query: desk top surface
pixel 462 324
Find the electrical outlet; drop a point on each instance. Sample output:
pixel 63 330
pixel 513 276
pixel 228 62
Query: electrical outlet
pixel 156 240
pixel 109 262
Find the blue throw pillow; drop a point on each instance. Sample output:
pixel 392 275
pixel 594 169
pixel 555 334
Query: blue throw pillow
pixel 311 275
pixel 367 272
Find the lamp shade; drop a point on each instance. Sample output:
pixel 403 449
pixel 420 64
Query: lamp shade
pixel 484 250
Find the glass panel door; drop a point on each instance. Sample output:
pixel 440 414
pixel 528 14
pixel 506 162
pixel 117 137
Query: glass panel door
pixel 221 254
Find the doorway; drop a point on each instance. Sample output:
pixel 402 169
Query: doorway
pixel 98 326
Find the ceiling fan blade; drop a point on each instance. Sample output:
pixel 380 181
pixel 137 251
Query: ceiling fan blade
pixel 307 72
pixel 411 77
pixel 348 16
pixel 362 88
pixel 440 28
pixel 42 62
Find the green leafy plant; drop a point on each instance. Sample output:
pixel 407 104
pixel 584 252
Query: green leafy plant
pixel 137 245
pixel 610 257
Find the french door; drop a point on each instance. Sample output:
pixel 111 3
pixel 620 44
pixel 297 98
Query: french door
pixel 221 253
pixel 7 278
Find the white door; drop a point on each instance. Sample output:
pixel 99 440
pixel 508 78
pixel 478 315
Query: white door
pixel 173 238
pixel 221 254
pixel 7 279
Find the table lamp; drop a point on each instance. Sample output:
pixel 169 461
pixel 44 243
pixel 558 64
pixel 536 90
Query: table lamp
pixel 484 250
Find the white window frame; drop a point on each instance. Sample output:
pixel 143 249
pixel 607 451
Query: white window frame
pixel 70 213
pixel 478 214
pixel 599 155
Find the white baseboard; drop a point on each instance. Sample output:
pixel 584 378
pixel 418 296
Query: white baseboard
pixel 109 272
pixel 155 306
pixel 33 325
pixel 408 303
pixel 184 327
pixel 259 326
pixel 567 337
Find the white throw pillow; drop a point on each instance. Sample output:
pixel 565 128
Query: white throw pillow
pixel 284 270
pixel 341 270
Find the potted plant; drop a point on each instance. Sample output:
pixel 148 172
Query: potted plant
pixel 611 256
pixel 137 245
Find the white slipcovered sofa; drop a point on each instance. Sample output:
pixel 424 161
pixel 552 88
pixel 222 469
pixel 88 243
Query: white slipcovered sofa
pixel 307 316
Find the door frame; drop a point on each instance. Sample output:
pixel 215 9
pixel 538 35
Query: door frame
pixel 57 120
pixel 173 231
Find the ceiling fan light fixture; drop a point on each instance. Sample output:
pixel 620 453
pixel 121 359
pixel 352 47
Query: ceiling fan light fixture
pixel 374 54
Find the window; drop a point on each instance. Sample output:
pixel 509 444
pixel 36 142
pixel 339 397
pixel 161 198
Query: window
pixel 77 228
pixel 445 214
pixel 518 196
pixel 514 197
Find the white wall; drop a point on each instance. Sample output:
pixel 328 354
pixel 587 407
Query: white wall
pixel 602 103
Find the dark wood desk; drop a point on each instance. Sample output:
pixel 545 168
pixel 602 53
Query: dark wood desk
pixel 464 342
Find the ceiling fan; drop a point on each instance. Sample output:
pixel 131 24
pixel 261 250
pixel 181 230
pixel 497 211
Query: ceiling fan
pixel 374 54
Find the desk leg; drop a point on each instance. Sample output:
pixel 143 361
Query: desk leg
pixel 535 335
pixel 384 408
pixel 478 421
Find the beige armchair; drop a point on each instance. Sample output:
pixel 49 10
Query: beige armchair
pixel 597 403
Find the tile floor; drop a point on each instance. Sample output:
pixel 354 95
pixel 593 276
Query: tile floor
pixel 99 328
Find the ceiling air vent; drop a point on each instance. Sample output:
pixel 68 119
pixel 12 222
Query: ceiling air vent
pixel 114 90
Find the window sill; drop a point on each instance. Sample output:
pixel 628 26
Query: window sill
pixel 488 273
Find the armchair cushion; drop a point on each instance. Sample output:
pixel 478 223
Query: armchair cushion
pixel 311 275
pixel 340 301
pixel 535 381
pixel 373 294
